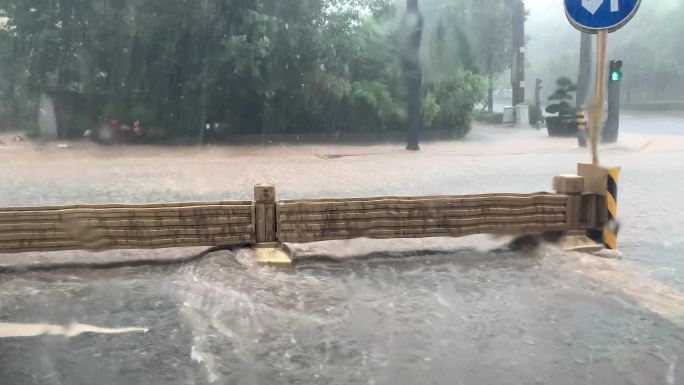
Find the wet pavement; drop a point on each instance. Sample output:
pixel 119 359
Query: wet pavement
pixel 466 316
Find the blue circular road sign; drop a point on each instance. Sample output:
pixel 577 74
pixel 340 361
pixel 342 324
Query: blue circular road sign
pixel 595 15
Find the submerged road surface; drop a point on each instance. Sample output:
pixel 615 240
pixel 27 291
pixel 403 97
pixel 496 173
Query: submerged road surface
pixel 469 315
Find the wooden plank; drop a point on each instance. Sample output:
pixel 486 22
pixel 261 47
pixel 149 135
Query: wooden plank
pixel 416 223
pixel 190 212
pixel 300 207
pixel 129 206
pixel 541 197
pixel 568 184
pixel 148 243
pixel 264 193
pixel 595 178
pixel 295 237
pixel 129 223
pixel 417 198
pixel 265 223
pixel 126 210
pixel 265 217
pixel 416 214
pixel 127 233
pixel 573 211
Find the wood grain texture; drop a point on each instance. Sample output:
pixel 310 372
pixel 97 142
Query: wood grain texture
pixel 407 217
pixel 568 184
pixel 307 237
pixel 126 226
pixel 265 213
pixel 57 245
pixel 420 213
pixel 99 227
pixel 421 204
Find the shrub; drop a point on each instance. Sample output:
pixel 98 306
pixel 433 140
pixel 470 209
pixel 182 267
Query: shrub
pixel 563 95
pixel 77 127
pixel 489 117
pixel 457 96
pixel 430 109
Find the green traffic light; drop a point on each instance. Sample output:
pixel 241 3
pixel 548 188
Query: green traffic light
pixel 615 76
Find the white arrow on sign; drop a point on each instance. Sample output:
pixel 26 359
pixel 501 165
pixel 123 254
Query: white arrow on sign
pixel 614 5
pixel 593 5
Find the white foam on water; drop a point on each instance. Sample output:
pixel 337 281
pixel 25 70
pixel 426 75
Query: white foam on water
pixel 13 330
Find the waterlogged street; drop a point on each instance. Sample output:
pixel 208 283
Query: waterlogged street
pixel 432 311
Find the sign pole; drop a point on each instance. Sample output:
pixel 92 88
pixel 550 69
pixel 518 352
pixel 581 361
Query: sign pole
pixel 596 109
pixel 600 17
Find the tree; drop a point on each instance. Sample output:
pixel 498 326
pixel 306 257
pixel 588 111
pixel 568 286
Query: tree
pixel 411 36
pixel 563 96
pixel 256 66
pixel 491 25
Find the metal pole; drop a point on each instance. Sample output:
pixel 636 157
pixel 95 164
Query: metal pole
pixel 612 129
pixel 518 67
pixel 585 72
pixel 596 109
pixel 413 32
pixel 537 99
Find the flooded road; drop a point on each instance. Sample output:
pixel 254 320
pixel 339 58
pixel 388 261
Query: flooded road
pixel 467 316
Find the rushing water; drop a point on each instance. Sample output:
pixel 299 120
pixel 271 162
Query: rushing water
pixel 455 317
pixel 467 317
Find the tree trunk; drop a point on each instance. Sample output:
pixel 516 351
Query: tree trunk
pixel 518 67
pixel 414 82
pixel 490 94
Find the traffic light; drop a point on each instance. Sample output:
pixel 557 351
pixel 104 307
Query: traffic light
pixel 611 129
pixel 616 70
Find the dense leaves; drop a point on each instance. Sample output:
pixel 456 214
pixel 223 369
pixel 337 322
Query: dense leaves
pixel 563 97
pixel 256 66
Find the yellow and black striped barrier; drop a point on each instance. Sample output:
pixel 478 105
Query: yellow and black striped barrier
pixel 611 228
pixel 581 129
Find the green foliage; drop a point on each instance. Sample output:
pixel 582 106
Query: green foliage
pixel 260 66
pixel 78 126
pixel 373 103
pixel 430 109
pixel 457 97
pixel 113 110
pixel 32 128
pixel 489 117
pixel 563 95
pixel 144 114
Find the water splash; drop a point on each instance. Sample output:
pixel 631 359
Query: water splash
pixel 13 330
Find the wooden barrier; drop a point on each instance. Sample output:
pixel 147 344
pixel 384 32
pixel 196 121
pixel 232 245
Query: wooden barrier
pixel 265 221
pixel 126 226
pixel 394 217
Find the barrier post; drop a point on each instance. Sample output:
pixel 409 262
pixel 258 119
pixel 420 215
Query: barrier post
pixel 611 228
pixel 572 186
pixel 601 189
pixel 581 129
pixel 265 213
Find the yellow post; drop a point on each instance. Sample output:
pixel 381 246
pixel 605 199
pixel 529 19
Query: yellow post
pixel 611 228
pixel 581 128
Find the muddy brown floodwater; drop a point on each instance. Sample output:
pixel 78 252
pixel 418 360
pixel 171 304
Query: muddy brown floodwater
pixel 430 311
